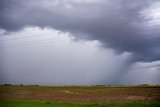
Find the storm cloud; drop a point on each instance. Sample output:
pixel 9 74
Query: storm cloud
pixel 57 62
pixel 123 26
pixel 119 24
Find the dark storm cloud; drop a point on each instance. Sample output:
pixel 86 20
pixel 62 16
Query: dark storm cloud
pixel 113 22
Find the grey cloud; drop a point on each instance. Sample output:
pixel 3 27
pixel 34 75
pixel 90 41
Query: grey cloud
pixel 110 21
pixel 73 63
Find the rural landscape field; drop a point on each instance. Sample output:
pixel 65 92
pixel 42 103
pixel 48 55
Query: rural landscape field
pixel 79 96
pixel 79 53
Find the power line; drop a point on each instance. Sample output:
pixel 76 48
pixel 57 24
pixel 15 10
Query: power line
pixel 37 42
pixel 31 36
pixel 51 39
pixel 148 28
pixel 52 33
pixel 33 41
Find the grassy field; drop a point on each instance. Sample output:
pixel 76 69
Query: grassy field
pixel 80 96
pixel 47 104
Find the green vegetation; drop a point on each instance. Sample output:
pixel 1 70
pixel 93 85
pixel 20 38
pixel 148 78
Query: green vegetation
pixel 93 87
pixel 48 104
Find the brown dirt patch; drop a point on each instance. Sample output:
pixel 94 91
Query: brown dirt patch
pixel 80 94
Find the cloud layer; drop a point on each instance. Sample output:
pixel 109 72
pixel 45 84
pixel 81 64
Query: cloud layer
pixel 119 24
pixel 59 63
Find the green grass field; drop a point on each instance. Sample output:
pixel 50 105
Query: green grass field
pixel 48 104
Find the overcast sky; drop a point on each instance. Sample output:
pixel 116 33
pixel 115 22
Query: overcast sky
pixel 80 42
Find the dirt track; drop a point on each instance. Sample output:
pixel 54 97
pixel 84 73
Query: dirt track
pixel 80 94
